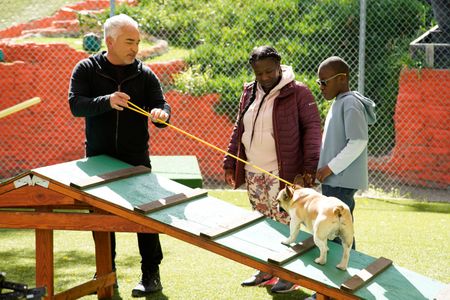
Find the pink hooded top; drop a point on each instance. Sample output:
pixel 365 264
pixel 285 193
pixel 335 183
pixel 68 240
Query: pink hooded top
pixel 286 135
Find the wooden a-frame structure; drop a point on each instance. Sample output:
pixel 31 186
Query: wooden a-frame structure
pixel 102 194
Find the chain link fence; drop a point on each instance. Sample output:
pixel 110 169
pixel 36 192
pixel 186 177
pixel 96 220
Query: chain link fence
pixel 398 52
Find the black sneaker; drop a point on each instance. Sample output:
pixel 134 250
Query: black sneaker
pixel 257 279
pixel 150 283
pixel 283 286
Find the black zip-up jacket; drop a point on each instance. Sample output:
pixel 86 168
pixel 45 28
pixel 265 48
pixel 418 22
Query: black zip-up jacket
pixel 121 134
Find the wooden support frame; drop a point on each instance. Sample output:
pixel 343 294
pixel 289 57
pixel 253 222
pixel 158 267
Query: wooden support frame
pixel 88 287
pixel 39 208
pixel 69 197
pixel 42 199
pixel 44 260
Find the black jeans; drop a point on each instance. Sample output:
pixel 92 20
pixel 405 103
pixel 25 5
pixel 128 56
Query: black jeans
pixel 148 243
pixel 149 248
pixel 346 195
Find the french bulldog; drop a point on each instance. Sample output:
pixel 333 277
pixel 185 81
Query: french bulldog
pixel 325 217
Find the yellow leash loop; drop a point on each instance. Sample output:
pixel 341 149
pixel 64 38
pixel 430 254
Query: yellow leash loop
pixel 145 113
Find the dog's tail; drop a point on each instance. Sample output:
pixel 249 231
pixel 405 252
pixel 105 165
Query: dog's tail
pixel 339 211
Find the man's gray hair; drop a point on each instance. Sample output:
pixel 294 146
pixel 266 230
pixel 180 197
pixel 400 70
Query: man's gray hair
pixel 113 25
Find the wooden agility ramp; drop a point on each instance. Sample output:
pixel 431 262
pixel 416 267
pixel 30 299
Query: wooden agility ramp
pixel 132 199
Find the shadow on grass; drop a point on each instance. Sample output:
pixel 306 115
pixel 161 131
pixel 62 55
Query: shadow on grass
pixel 19 267
pixel 297 294
pixel 157 296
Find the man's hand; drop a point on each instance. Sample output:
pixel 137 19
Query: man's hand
pixel 158 114
pixel 323 173
pixel 229 177
pixel 118 100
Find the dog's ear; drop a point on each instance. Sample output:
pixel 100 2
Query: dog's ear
pixel 299 181
pixel 289 191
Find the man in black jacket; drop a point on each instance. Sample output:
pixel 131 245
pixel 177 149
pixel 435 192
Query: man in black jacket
pixel 100 88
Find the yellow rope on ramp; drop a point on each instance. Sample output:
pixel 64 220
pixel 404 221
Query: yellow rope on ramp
pixel 20 106
pixel 137 109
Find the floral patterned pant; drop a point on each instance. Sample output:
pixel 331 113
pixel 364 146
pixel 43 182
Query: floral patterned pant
pixel 262 192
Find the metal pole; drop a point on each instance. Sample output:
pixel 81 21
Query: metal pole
pixel 362 45
pixel 112 7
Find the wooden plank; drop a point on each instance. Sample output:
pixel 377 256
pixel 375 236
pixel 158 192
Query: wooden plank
pixel 322 297
pixel 69 221
pixel 19 106
pixel 170 201
pixel 111 176
pixel 232 225
pixel 103 261
pixel 11 183
pixel 366 274
pixel 44 260
pixel 6 187
pixel 87 288
pixel 34 196
pixel 294 251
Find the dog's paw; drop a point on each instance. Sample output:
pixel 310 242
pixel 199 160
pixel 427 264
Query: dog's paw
pixel 287 242
pixel 320 261
pixel 343 267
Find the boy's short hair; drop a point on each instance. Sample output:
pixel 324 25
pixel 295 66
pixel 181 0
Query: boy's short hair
pixel 336 63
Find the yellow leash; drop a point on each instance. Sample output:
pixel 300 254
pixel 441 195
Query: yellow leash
pixel 145 113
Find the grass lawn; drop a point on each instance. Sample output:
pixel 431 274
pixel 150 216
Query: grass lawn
pixel 19 11
pixel 77 44
pixel 413 234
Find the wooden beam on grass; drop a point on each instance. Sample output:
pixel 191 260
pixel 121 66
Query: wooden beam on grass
pixel 87 288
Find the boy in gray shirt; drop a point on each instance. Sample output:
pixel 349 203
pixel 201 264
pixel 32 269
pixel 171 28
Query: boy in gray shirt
pixel 342 167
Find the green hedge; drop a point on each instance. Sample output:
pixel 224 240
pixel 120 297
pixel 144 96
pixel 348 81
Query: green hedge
pixel 223 32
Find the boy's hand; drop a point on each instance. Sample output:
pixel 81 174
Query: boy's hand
pixel 323 173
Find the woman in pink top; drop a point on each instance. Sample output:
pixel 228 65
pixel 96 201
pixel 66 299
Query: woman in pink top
pixel 278 130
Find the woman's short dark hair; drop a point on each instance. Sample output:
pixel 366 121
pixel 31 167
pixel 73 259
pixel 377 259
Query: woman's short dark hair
pixel 263 52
